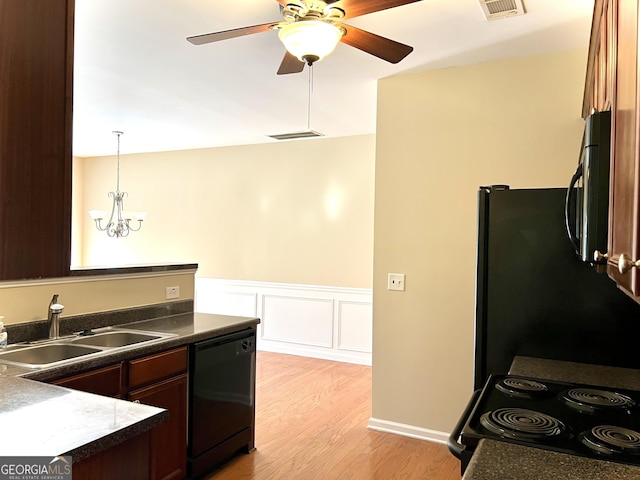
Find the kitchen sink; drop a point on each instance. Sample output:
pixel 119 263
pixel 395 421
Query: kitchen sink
pixel 45 354
pixel 48 353
pixel 115 339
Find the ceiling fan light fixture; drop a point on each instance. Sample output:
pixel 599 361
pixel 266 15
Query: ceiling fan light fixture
pixel 310 40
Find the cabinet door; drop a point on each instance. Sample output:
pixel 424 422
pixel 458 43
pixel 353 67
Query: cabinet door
pixel 103 381
pixel 126 460
pixel 599 81
pixel 169 440
pixel 36 61
pixel 623 204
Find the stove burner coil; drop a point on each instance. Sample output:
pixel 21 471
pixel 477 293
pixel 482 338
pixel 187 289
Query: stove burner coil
pixel 609 440
pixel 521 387
pixel 519 423
pixel 590 399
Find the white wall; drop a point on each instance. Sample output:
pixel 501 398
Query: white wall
pixel 440 135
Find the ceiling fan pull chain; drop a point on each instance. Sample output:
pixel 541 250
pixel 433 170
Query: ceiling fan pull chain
pixel 309 97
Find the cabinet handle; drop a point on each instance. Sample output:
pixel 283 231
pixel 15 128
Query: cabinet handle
pixel 625 263
pixel 600 257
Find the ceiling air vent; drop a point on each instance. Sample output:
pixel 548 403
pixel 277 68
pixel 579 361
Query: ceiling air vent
pixel 494 9
pixel 294 135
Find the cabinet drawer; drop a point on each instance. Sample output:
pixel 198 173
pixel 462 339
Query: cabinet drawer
pixel 103 381
pixel 157 367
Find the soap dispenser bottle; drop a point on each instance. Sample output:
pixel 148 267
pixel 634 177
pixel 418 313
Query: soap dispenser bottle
pixel 3 334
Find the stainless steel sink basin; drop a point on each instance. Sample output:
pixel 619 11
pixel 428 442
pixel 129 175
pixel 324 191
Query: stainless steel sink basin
pixel 115 339
pixel 45 354
pixel 64 350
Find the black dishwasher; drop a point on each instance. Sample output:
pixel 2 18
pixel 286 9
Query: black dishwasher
pixel 221 399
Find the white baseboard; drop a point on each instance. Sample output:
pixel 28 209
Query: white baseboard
pixel 408 430
pixel 347 357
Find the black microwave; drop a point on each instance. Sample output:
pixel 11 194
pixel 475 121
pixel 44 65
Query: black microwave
pixel 587 199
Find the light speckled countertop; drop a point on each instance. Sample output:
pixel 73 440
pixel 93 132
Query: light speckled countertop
pixel 496 460
pixel 43 419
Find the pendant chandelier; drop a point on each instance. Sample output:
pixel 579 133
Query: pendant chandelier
pixel 119 224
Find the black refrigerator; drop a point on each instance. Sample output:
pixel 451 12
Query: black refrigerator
pixel 535 297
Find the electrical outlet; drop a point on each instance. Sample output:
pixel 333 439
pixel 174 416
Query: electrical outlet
pixel 172 292
pixel 396 282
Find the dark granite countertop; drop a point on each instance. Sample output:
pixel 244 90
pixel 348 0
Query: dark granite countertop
pixel 496 460
pixel 46 419
pixel 127 269
pixel 554 370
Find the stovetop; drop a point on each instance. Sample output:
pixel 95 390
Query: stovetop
pixel 576 419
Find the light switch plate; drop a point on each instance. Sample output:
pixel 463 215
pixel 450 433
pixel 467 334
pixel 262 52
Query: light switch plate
pixel 396 282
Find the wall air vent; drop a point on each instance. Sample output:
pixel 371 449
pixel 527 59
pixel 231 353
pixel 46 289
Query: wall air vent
pixel 295 135
pixel 495 9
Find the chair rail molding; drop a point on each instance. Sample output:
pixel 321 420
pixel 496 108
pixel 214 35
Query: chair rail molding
pixel 334 323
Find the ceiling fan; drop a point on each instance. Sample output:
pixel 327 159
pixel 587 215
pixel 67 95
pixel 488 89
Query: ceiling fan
pixel 312 28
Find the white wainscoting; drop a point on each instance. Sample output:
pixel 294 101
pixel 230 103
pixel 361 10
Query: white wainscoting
pixel 334 323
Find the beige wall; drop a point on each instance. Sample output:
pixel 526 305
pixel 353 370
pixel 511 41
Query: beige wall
pixel 28 300
pixel 292 212
pixel 440 135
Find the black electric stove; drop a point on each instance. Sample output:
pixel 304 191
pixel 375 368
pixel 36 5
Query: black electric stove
pixel 585 420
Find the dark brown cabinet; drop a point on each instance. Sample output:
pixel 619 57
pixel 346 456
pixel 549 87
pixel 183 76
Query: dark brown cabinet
pixel 612 83
pixel 105 381
pixel 36 90
pixel 161 381
pixel 624 214
pixel 601 65
pixel 158 380
pixel 129 459
pixel 169 452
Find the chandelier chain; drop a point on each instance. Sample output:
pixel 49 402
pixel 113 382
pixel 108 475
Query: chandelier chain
pixel 115 132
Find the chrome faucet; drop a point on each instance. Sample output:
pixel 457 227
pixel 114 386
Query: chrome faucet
pixel 53 317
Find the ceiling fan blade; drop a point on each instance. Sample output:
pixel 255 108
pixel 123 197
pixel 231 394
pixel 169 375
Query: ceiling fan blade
pixel 355 8
pixel 290 64
pixel 381 47
pixel 226 34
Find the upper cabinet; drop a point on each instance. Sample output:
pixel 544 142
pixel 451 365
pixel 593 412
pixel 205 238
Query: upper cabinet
pixel 612 83
pixel 36 61
pixel 601 65
pixel 624 215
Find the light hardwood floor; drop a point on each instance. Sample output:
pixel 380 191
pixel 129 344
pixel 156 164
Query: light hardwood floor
pixel 311 423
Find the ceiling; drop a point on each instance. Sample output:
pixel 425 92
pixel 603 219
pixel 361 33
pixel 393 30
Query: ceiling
pixel 135 71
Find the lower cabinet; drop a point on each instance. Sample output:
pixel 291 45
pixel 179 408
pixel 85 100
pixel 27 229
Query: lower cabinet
pixel 130 459
pixel 169 455
pixel 158 380
pixel 105 381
